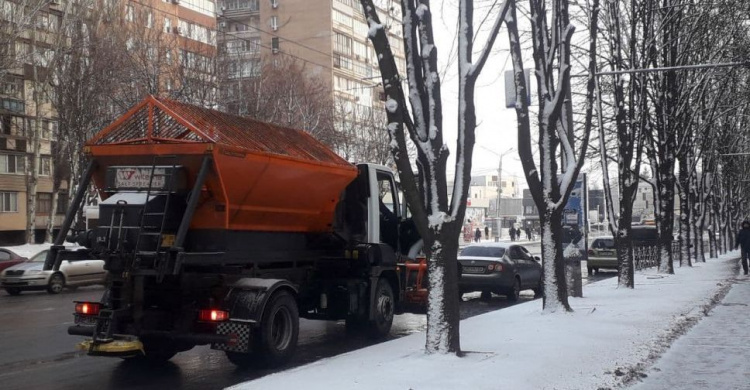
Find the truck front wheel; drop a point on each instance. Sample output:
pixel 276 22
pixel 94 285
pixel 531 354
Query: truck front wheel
pixel 276 338
pixel 384 301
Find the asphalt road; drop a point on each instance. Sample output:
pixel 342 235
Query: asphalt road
pixel 37 353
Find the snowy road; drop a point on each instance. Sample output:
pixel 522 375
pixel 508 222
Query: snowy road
pixel 36 352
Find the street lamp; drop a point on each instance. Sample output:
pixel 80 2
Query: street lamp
pixel 499 176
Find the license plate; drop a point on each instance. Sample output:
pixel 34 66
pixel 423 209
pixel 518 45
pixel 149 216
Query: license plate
pixel 473 270
pixel 607 253
pixel 84 320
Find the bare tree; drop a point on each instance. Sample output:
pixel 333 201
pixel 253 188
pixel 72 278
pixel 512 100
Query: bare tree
pixel 82 84
pixel 359 134
pixel 47 40
pixel 551 42
pixel 438 222
pixel 278 91
pixel 631 119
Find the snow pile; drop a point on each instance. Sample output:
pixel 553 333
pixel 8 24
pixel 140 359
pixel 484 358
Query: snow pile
pixel 608 338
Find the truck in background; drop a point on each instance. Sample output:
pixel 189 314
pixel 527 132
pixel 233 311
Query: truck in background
pixel 222 230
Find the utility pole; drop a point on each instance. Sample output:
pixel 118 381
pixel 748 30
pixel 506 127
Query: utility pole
pixel 499 181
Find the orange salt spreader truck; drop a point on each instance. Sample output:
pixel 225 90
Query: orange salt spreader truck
pixel 217 229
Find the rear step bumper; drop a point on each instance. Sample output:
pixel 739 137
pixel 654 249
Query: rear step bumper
pixel 193 338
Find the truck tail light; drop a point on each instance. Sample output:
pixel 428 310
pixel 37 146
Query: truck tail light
pixel 88 308
pixel 591 252
pixel 213 315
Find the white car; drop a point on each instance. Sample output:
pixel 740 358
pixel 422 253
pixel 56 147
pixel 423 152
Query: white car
pixel 79 270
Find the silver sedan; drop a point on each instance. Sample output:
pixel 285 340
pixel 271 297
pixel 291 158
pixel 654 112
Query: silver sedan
pixel 77 271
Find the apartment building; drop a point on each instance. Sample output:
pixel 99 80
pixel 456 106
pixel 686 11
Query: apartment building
pixel 485 187
pixel 30 31
pixel 329 38
pixel 26 109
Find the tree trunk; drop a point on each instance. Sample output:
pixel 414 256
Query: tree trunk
pixel 443 319
pixel 685 212
pixel 666 226
pixel 624 243
pixel 555 283
pixel 49 233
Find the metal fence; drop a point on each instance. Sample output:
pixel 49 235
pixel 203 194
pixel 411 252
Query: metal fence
pixel 646 253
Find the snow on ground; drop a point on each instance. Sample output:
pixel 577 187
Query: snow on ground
pixel 715 354
pixel 610 336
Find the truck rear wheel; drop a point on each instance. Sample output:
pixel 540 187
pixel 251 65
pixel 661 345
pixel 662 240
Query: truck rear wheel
pixel 385 305
pixel 276 339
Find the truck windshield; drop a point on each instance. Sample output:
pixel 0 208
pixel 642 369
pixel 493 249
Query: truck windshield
pixel 483 251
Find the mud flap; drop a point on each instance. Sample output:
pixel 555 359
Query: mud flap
pixel 240 334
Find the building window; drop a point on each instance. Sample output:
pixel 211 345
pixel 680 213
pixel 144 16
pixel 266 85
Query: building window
pixel 130 13
pixel 167 25
pixel 8 202
pixel 13 105
pixel 149 20
pixel 12 164
pixel 252 5
pixel 342 44
pixel 62 203
pixel 43 203
pixel 45 166
pixel 274 23
pixel 274 3
pixel 49 129
pixel 275 44
pixel 12 87
pixel 342 18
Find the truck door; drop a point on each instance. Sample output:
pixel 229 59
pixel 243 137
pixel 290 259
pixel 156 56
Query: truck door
pixel 388 209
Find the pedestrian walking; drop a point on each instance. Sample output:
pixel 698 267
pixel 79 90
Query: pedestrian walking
pixel 743 242
pixel 512 233
pixel 528 233
pixel 487 232
pixel 477 235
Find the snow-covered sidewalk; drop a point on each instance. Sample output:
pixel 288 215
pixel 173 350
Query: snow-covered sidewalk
pixel 613 336
pixel 715 354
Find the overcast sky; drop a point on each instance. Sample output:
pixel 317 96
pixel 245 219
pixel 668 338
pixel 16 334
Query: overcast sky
pixel 496 131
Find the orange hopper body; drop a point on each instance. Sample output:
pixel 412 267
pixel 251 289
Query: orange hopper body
pixel 263 177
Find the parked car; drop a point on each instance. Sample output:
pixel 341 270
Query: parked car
pixel 8 258
pixel 500 268
pixel 78 270
pixel 602 254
